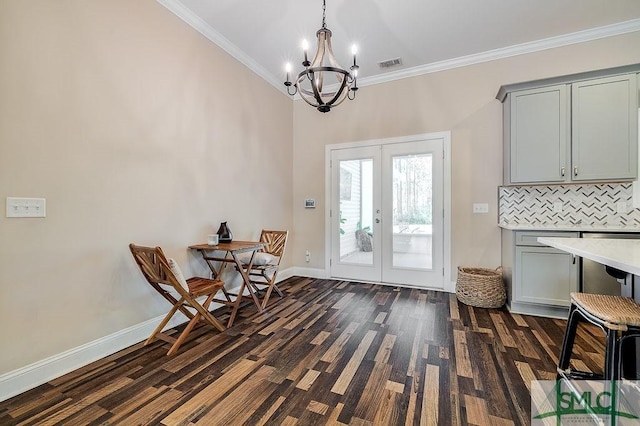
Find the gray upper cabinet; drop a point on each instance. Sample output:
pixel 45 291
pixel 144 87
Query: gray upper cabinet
pixel 577 128
pixel 604 128
pixel 539 135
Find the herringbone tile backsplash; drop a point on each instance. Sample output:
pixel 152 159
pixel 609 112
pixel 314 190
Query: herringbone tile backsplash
pixel 581 205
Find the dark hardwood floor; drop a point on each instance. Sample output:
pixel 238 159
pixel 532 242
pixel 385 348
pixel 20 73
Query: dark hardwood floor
pixel 330 352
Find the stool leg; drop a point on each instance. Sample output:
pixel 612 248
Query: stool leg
pixel 611 356
pixel 569 338
pixel 626 351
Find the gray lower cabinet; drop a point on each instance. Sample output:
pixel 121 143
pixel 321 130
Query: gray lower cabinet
pixel 539 278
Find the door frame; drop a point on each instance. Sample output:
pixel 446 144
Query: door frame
pixel 449 286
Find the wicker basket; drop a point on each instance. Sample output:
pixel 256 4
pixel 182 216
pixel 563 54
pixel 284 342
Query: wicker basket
pixel 481 287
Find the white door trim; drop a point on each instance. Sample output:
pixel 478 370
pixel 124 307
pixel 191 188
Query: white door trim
pixel 446 141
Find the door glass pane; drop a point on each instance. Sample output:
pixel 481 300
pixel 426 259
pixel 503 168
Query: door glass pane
pixel 356 211
pixel 412 211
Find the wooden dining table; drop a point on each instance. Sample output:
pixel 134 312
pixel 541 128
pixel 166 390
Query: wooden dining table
pixel 219 256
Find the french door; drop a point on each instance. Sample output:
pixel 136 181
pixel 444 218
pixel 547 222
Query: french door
pixel 387 213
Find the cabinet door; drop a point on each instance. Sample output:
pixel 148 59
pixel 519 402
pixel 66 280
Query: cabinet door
pixel 545 276
pixel 539 137
pixel 605 128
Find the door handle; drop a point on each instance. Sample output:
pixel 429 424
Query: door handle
pixel 562 172
pixel 575 171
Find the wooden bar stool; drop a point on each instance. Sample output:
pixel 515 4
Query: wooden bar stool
pixel 618 317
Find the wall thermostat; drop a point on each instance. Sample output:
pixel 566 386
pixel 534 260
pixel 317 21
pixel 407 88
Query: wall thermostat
pixel 309 203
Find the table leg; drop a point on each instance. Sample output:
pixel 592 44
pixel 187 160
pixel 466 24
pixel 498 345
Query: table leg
pixel 245 278
pixel 245 284
pixel 236 306
pixel 242 270
pixel 216 273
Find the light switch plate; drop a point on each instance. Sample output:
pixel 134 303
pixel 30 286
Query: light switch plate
pixel 26 207
pixel 480 208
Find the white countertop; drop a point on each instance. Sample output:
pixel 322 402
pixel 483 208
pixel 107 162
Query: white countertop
pixel 617 253
pixel 567 227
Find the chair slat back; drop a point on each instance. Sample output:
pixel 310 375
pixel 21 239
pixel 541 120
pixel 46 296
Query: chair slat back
pixel 276 241
pixel 154 265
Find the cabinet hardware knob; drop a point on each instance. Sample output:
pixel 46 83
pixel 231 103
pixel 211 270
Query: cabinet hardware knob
pixel 575 171
pixel 562 172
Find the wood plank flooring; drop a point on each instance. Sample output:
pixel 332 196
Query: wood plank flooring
pixel 329 352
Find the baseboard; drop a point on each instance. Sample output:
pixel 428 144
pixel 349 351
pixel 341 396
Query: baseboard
pixel 546 311
pixel 323 275
pixel 40 372
pixel 15 382
pixel 308 272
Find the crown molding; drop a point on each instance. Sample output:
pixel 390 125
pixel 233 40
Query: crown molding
pixel 182 12
pixel 506 52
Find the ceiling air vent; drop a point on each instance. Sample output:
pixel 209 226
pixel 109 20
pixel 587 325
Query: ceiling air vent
pixel 390 63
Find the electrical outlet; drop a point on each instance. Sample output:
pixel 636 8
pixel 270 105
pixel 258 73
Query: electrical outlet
pixel 480 208
pixel 557 207
pixel 307 256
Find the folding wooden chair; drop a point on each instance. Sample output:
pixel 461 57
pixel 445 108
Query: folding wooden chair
pixel 164 275
pixel 266 263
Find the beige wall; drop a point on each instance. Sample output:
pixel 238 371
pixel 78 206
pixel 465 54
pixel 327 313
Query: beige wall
pixel 134 127
pixel 460 100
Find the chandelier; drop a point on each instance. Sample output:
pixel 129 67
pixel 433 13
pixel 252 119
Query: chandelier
pixel 310 83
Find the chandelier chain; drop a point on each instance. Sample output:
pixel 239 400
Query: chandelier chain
pixel 324 13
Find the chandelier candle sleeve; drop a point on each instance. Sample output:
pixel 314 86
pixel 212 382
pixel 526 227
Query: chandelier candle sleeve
pixel 288 68
pixel 305 48
pixel 323 83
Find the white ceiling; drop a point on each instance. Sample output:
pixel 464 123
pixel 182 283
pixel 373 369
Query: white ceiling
pixel 428 35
